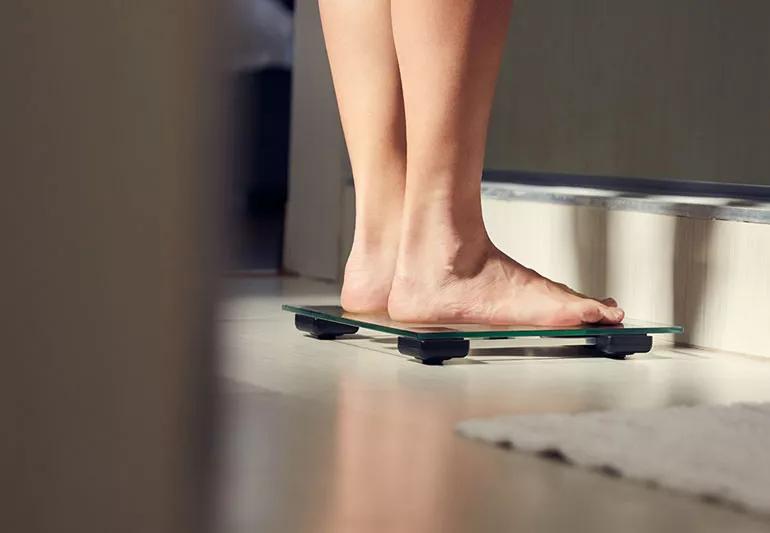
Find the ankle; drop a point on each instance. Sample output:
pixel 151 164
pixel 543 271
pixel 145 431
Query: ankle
pixel 376 240
pixel 443 251
pixel 444 217
pixel 377 229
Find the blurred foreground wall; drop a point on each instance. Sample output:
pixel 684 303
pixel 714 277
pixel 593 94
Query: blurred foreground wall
pixel 108 138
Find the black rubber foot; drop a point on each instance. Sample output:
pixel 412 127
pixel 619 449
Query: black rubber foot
pixel 433 352
pixel 322 329
pixel 620 346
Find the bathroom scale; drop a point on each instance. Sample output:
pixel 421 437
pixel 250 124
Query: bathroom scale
pixel 432 344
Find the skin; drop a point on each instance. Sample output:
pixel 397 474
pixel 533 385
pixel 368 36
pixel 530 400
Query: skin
pixel 414 84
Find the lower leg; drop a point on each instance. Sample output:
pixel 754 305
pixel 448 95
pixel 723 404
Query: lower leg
pixel 448 269
pixel 359 41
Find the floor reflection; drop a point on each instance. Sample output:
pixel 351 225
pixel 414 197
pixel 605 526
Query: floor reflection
pixel 398 463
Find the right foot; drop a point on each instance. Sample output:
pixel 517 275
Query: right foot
pixel 486 286
pixel 372 260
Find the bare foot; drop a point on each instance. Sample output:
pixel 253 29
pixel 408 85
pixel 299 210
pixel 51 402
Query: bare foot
pixel 483 285
pixel 368 276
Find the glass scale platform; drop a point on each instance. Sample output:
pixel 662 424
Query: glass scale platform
pixel 432 344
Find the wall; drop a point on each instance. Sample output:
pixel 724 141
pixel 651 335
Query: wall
pixel 636 88
pixel 709 276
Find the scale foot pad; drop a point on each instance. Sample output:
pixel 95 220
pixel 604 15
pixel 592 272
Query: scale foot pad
pixel 322 329
pixel 433 352
pixel 619 346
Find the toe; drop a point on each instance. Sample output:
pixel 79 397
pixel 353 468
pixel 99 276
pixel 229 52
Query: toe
pixel 610 302
pixel 612 315
pixel 593 312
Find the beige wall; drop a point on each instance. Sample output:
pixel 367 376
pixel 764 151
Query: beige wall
pixel 654 88
pixel 700 274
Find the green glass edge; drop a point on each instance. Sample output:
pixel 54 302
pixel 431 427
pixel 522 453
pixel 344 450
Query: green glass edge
pixel 585 332
pixel 350 322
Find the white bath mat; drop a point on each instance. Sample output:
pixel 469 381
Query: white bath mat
pixel 718 452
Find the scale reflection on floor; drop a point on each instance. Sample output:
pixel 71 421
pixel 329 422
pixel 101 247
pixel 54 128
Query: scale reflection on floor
pixel 433 344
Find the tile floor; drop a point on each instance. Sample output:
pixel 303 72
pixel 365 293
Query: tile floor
pixel 350 436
